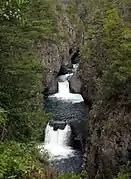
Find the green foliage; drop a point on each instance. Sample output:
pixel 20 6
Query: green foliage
pixel 123 176
pixel 125 172
pixel 107 48
pixel 117 35
pixel 17 159
pixel 72 175
pixel 21 71
pixel 12 10
pixel 69 176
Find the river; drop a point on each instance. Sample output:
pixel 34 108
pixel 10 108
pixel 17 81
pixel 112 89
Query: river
pixel 64 107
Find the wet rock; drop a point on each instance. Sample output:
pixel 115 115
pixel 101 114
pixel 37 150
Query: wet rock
pixel 87 97
pixel 75 83
pixel 79 133
pixel 65 70
pixel 58 124
pixel 63 78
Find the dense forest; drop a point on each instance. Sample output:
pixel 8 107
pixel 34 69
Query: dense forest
pixel 103 30
pixel 106 72
pixel 21 112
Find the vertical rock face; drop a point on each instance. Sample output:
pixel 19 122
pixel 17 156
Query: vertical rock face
pixel 52 57
pixel 75 84
pixel 110 137
pixel 109 122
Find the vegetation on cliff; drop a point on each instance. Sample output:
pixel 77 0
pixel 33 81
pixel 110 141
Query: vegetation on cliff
pixel 23 23
pixel 106 73
pixel 108 45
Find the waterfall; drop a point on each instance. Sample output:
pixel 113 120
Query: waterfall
pixel 64 93
pixel 63 87
pixel 57 141
pixel 59 137
pixel 75 66
pixel 65 77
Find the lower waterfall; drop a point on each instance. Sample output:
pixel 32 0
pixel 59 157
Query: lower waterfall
pixel 57 142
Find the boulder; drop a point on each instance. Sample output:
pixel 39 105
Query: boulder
pixel 58 124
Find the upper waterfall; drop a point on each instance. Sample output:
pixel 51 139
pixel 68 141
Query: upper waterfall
pixel 63 87
pixel 64 91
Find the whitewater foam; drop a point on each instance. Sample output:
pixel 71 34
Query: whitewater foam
pixel 65 95
pixel 57 142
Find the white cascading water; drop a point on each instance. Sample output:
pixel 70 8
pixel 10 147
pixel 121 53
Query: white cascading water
pixel 57 142
pixel 57 137
pixel 75 66
pixel 63 88
pixel 64 93
pixel 63 78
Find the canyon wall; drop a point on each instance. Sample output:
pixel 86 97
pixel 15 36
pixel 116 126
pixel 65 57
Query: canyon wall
pixel 106 80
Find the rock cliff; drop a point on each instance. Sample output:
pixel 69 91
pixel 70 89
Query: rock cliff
pixel 106 88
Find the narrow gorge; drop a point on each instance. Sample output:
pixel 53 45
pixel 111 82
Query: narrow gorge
pixel 65 134
pixel 65 89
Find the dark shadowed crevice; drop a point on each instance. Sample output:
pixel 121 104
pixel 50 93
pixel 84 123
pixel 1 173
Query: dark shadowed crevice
pixel 74 55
